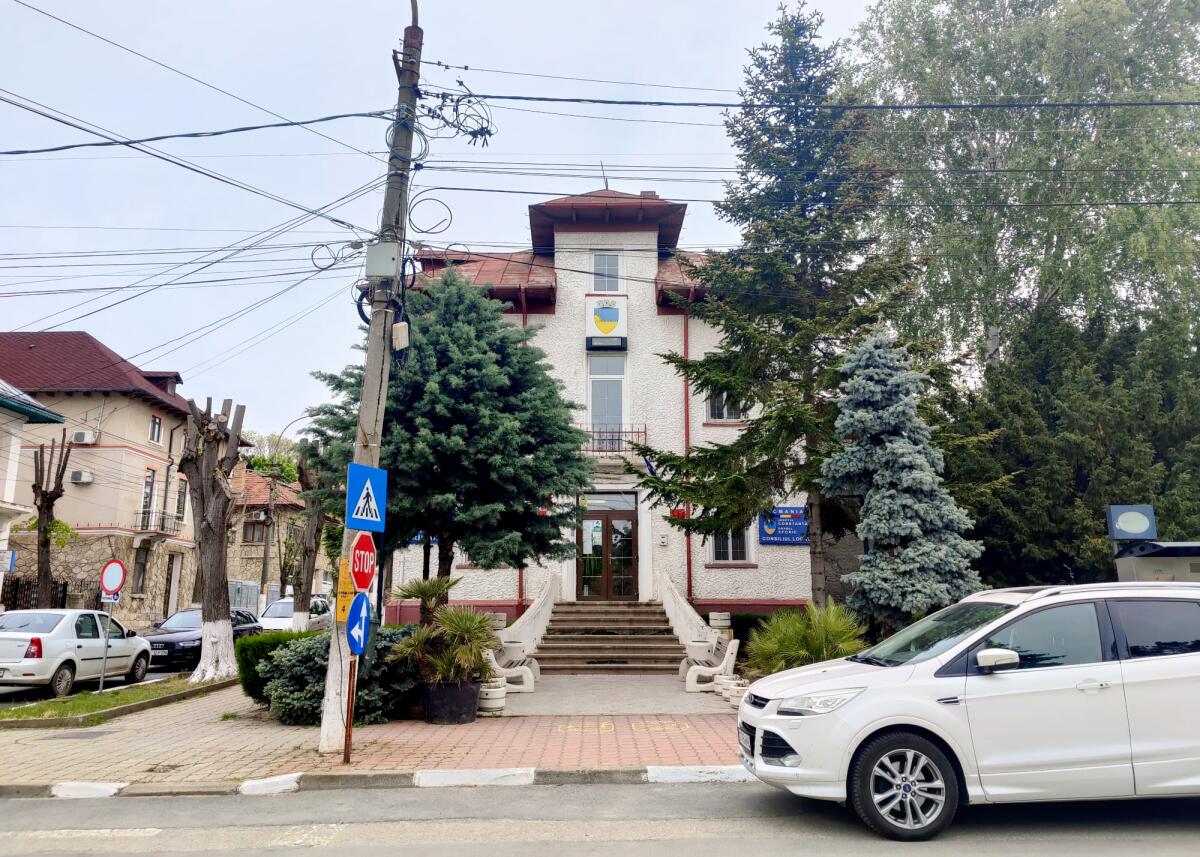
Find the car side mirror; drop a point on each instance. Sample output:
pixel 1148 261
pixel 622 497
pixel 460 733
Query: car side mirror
pixel 131 633
pixel 158 624
pixel 992 660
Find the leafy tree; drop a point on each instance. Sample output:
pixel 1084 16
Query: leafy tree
pixel 478 442
pixel 1083 415
pixel 1013 207
pixel 789 301
pixel 917 558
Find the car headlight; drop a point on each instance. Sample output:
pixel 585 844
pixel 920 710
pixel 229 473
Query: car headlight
pixel 819 702
pixel 188 644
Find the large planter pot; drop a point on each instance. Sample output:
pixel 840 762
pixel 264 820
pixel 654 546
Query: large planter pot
pixel 451 702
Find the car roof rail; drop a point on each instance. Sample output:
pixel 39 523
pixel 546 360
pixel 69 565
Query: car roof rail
pixel 1117 585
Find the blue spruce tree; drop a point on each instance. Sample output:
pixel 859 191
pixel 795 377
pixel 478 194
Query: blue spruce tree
pixel 917 559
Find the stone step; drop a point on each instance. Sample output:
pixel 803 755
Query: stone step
pixel 595 657
pixel 645 644
pixel 611 639
pixel 623 604
pixel 607 630
pixel 603 669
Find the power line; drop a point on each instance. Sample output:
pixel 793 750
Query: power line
pixel 67 119
pixel 190 77
pixel 195 135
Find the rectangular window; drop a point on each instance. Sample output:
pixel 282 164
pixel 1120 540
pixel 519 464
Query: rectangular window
pixel 156 430
pixel 730 547
pixel 607 399
pixel 722 409
pixel 181 500
pixel 606 276
pixel 149 488
pixel 1155 628
pixel 254 532
pixel 141 557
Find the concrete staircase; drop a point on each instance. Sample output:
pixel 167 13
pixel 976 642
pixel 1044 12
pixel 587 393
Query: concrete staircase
pixel 625 637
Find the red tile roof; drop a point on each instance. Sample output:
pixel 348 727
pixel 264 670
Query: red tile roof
pixel 254 490
pixel 523 268
pixel 607 209
pixel 74 361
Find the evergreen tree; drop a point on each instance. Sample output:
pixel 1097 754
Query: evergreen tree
pixel 478 441
pixel 789 301
pixel 917 559
pixel 1083 415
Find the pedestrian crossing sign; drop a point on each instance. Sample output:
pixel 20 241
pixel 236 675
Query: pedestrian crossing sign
pixel 366 498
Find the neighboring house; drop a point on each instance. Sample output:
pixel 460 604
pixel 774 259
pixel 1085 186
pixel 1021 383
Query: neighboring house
pixel 261 501
pixel 601 283
pixel 124 495
pixel 16 410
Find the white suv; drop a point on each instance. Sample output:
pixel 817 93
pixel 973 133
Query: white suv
pixel 1033 694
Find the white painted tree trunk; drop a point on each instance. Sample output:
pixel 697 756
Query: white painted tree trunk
pixel 333 707
pixel 299 619
pixel 216 653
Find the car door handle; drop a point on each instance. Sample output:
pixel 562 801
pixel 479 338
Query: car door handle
pixel 1091 685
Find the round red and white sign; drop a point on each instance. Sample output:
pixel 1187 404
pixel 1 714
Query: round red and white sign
pixel 112 577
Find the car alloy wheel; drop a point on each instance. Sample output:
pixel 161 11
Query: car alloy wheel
pixel 63 681
pixel 140 664
pixel 903 786
pixel 908 789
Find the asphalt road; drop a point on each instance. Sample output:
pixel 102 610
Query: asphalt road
pixel 551 821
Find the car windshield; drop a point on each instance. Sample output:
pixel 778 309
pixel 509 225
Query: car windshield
pixel 934 634
pixel 188 620
pixel 279 610
pixel 38 623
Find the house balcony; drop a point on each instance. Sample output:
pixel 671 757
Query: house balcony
pixel 613 441
pixel 155 521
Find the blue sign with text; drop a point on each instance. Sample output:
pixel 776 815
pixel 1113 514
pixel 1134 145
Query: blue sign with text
pixel 366 498
pixel 784 525
pixel 358 623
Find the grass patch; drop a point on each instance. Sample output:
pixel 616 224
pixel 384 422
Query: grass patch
pixel 90 702
pixel 230 715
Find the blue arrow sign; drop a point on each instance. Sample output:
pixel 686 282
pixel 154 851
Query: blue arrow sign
pixel 358 623
pixel 366 498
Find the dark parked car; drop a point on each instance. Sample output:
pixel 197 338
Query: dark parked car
pixel 175 643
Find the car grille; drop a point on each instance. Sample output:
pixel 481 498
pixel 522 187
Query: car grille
pixel 756 701
pixel 775 746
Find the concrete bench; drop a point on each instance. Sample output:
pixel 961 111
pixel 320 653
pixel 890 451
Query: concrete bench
pixel 698 674
pixel 523 672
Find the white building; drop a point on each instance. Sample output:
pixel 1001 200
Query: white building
pixel 597 283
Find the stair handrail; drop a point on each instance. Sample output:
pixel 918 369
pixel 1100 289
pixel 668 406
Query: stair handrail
pixel 688 625
pixel 531 625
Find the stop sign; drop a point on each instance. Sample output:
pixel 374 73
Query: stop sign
pixel 362 561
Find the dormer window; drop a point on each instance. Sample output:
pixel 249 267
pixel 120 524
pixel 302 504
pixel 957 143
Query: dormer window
pixel 606 275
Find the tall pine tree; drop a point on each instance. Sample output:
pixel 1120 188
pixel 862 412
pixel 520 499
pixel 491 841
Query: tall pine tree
pixel 800 289
pixel 917 558
pixel 478 442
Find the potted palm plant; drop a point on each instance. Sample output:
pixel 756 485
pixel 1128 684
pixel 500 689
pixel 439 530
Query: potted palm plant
pixel 430 593
pixel 448 654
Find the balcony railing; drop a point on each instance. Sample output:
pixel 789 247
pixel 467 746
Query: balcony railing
pixel 613 440
pixel 154 521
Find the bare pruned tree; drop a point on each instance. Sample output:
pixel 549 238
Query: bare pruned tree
pixel 210 451
pixel 47 471
pixel 310 538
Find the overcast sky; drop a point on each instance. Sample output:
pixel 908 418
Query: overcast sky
pixel 305 59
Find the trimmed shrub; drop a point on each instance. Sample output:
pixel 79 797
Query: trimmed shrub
pixel 294 676
pixel 791 638
pixel 252 650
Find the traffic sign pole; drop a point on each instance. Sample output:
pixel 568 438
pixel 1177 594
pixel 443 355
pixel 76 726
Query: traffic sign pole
pixel 112 580
pixel 351 692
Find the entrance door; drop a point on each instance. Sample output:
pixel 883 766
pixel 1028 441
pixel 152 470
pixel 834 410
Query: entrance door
pixel 172 587
pixel 606 564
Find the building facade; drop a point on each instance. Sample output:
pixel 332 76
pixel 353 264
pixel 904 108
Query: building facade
pixel 124 496
pixel 599 288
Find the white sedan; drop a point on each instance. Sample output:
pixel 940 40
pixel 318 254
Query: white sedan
pixel 59 647
pixel 278 615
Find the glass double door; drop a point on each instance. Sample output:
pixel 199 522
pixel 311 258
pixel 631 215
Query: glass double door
pixel 606 564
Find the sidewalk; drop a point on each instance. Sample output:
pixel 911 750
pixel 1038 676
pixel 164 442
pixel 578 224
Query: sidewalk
pixel 225 737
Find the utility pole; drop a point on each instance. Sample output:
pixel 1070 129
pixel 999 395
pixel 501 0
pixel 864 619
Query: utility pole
pixel 268 535
pixel 377 365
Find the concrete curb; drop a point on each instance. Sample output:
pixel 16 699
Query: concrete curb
pixel 109 714
pixel 435 778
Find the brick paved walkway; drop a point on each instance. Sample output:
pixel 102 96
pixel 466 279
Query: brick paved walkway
pixel 192 741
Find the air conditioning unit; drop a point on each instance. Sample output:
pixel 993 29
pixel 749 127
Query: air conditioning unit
pixel 81 477
pixel 83 438
pixel 258 516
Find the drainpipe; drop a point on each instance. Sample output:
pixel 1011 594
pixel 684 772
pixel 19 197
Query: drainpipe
pixel 687 435
pixel 167 482
pixel 520 591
